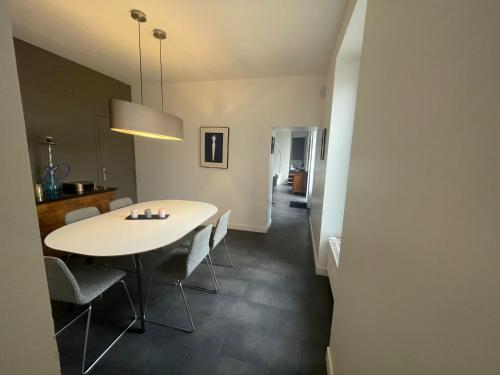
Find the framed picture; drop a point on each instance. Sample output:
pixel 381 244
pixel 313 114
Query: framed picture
pixel 323 144
pixel 214 147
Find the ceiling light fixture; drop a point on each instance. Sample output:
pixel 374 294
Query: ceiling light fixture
pixel 138 119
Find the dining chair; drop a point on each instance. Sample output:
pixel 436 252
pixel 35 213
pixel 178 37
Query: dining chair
pixel 218 235
pixel 80 214
pixel 81 285
pixel 178 264
pixel 120 203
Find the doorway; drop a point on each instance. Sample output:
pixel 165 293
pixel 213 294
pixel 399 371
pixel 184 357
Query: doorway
pixel 292 161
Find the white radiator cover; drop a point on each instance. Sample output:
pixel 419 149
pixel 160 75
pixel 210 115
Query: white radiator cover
pixel 332 261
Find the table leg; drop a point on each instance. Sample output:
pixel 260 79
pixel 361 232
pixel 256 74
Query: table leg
pixel 138 269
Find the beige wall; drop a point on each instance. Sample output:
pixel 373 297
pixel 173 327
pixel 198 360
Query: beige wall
pixel 27 344
pixel 418 288
pixel 251 108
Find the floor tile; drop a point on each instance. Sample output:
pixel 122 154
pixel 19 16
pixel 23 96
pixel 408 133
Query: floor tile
pixel 313 359
pixel 262 348
pixel 304 326
pixel 262 276
pixel 198 362
pixel 208 334
pixel 261 293
pixel 232 286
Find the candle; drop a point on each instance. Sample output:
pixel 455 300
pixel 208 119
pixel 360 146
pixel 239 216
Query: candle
pixel 148 213
pixel 161 213
pixel 134 213
pixel 38 191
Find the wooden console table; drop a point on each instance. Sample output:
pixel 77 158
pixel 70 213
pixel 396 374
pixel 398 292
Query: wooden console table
pixel 299 182
pixel 51 212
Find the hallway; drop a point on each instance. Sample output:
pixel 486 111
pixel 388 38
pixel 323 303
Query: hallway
pixel 271 316
pixel 282 197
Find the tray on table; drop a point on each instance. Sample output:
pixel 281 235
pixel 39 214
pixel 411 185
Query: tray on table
pixel 143 217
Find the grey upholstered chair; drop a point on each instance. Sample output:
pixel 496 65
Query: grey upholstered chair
pixel 80 214
pixel 81 285
pixel 120 203
pixel 218 235
pixel 178 264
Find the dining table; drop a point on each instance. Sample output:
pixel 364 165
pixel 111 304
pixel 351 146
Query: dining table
pixel 111 234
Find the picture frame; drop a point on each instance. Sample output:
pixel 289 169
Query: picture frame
pixel 323 144
pixel 214 147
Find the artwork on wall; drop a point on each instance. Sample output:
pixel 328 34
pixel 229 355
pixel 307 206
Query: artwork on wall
pixel 214 147
pixel 323 144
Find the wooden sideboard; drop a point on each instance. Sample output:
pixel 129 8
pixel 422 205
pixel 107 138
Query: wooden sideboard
pixel 299 183
pixel 51 212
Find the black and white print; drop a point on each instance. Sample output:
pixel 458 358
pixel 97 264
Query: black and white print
pixel 214 144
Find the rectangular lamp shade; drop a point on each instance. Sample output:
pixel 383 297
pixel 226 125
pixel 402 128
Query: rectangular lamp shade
pixel 137 119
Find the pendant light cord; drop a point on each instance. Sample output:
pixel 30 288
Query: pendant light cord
pixel 161 78
pixel 140 60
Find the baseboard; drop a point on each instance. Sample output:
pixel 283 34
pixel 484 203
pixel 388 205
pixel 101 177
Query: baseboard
pixel 269 224
pixel 329 361
pixel 249 228
pixel 244 227
pixel 322 271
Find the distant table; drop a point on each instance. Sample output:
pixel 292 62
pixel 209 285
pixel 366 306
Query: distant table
pixel 109 234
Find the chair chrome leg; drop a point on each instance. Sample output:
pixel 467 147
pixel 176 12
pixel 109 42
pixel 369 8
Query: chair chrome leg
pixel 186 306
pixel 214 276
pixel 86 339
pixel 129 298
pixel 203 289
pixel 228 257
pixel 179 283
pixel 91 366
pixel 147 295
pixel 70 323
pixel 227 251
pixel 228 254
pixel 88 311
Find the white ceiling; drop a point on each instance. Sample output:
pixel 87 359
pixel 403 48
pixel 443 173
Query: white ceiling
pixel 207 39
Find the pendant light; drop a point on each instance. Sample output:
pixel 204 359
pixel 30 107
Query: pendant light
pixel 138 119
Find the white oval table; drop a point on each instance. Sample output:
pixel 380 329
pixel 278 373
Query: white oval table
pixel 110 234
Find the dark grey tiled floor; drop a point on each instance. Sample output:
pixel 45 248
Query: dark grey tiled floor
pixel 272 315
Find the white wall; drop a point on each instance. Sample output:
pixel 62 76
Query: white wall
pixel 345 87
pixel 27 344
pixel 319 238
pixel 339 144
pixel 418 289
pixel 283 142
pixel 251 108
